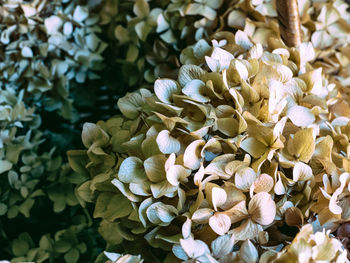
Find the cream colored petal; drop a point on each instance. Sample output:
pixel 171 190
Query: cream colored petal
pixel 53 24
pixel 233 166
pixel 190 72
pixel 241 69
pixel 161 214
pixel 163 188
pixel 321 39
pixel 262 208
pixel 192 155
pixel 222 246
pixel 217 166
pixel 194 248
pixel 213 64
pixel 132 170
pixel 177 174
pixel 195 89
pixel 248 252
pixel 247 230
pixel 238 212
pixel 215 195
pixel 170 161
pixel 125 191
pixel 325 250
pixel 244 178
pixel 202 215
pixel 130 105
pixel 283 73
pixel 167 144
pixel 142 210
pixel 94 135
pixel 199 175
pixel 155 168
pixel 142 189
pixel 301 116
pixel 242 40
pixel 263 183
pixel 333 206
pixel 234 196
pixel 165 88
pixel 279 187
pixel 211 149
pixel 224 57
pixel 256 51
pixel 302 172
pixel 220 223
pixel 313 80
pixel 236 19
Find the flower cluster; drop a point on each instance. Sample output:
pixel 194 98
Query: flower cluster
pixel 324 23
pixel 309 247
pixel 45 46
pixel 149 35
pixel 241 144
pixel 28 178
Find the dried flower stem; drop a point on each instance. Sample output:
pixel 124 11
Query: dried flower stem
pixel 288 17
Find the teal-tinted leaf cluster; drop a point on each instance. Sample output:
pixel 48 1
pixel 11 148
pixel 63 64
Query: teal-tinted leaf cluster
pixel 36 190
pixel 147 36
pixel 49 49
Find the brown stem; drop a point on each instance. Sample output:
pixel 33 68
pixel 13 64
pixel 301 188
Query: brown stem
pixel 288 17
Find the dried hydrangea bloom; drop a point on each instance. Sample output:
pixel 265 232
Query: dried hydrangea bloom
pixel 309 247
pixel 149 35
pixel 324 23
pixel 239 144
pixel 171 25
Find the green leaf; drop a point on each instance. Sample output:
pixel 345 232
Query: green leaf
pixel 20 247
pixel 5 166
pixel 25 207
pixel 62 246
pixel 3 209
pixel 122 34
pixel 77 160
pixel 72 256
pixel 12 212
pixel 141 8
pixel 110 232
pixel 142 30
pixel 112 206
pixel 45 242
